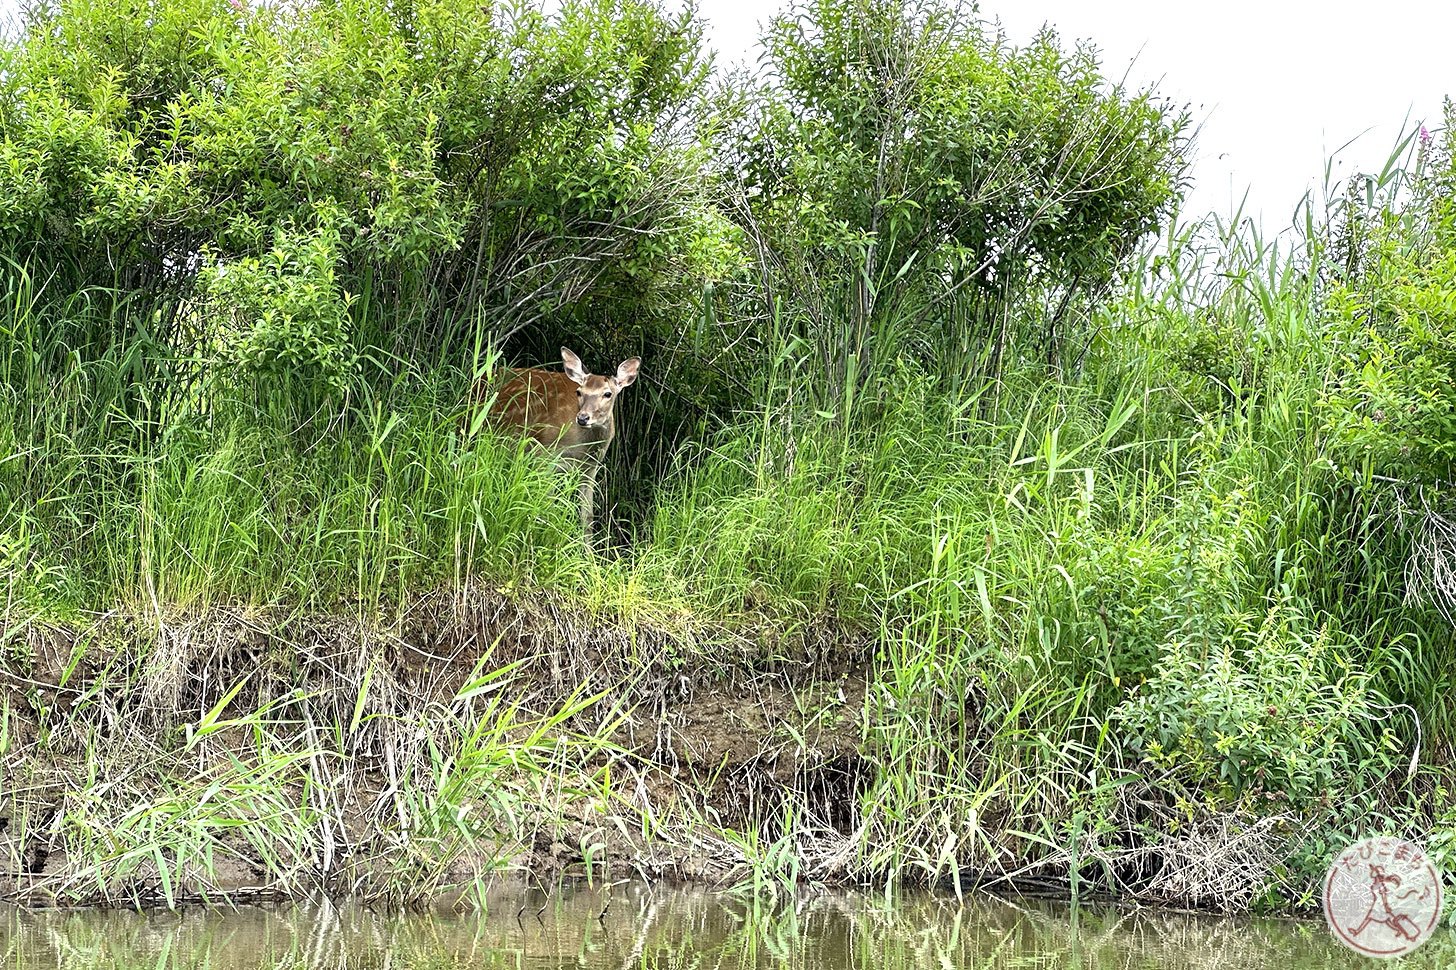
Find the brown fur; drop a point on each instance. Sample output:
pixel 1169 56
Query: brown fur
pixel 569 413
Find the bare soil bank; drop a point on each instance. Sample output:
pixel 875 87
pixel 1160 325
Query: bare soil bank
pixel 153 758
pixel 670 725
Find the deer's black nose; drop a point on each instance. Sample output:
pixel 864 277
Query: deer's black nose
pixel 583 419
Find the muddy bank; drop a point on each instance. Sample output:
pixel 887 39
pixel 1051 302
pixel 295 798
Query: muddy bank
pixel 148 756
pixel 151 758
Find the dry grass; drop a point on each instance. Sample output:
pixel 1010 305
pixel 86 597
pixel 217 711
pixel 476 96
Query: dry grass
pixel 244 753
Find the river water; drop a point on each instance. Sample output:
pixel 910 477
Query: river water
pixel 632 925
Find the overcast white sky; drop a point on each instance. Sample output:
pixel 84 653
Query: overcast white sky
pixel 1276 86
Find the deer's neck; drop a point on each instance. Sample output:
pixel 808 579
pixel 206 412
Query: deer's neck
pixel 583 443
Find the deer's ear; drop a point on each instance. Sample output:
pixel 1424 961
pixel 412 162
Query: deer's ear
pixel 627 371
pixel 574 370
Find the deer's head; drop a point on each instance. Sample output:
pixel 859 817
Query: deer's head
pixel 595 395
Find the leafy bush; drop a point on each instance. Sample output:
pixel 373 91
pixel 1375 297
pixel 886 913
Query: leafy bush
pixel 1277 711
pixel 449 165
pixel 910 173
pixel 288 316
pixel 1395 402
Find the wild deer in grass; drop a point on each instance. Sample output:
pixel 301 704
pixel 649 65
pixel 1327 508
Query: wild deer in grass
pixel 569 413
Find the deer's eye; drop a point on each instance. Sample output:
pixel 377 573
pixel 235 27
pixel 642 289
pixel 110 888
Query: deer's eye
pixel 608 394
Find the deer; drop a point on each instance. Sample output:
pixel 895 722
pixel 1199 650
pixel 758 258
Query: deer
pixel 570 414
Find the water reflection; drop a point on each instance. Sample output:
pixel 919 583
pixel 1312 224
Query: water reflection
pixel 637 926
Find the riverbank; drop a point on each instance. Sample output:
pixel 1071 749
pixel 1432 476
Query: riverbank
pixel 974 519
pixel 151 759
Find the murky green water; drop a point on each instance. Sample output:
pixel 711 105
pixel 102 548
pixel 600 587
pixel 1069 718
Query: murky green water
pixel 636 926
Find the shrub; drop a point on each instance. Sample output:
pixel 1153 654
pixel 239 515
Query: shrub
pixel 1394 404
pixel 1275 710
pixel 909 173
pixel 448 165
pixel 287 316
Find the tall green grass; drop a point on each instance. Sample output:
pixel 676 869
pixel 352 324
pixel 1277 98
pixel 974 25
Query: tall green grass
pixel 1108 620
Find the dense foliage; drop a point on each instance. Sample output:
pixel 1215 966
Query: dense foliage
pixel 909 174
pixel 287 188
pixel 1396 296
pixel 1137 544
